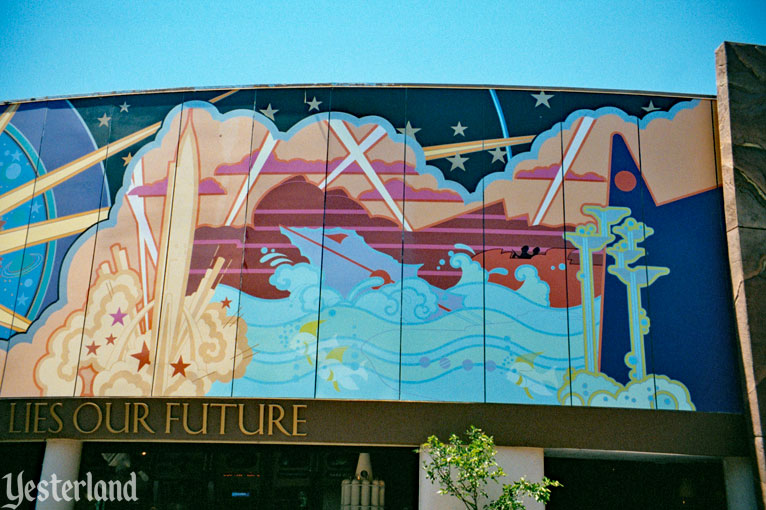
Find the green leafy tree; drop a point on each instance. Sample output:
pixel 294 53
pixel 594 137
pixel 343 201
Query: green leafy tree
pixel 463 470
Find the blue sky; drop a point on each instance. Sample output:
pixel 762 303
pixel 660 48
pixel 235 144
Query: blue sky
pixel 63 48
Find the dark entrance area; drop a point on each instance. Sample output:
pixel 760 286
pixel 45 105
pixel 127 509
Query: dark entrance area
pixel 636 485
pixel 238 476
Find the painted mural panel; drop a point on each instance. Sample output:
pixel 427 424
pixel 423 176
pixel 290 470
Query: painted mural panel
pixel 521 246
pixel 217 260
pixel 689 239
pixel 443 300
pixel 22 132
pixel 280 283
pixel 66 198
pixel 82 201
pixel 360 313
pixel 526 291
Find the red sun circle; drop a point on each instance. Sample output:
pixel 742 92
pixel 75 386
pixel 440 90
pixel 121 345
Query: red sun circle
pixel 625 181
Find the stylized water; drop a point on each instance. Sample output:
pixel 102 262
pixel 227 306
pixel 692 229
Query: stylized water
pixel 395 341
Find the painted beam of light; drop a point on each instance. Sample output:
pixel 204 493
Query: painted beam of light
pixel 263 154
pixel 30 190
pixel 13 321
pixel 369 140
pixel 450 149
pixel 5 118
pixel 145 238
pixel 49 230
pixel 348 141
pixel 574 148
pixel 501 117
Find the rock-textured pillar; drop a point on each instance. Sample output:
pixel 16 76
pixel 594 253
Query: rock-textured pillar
pixel 741 77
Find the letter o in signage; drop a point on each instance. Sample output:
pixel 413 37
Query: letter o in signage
pixel 76 415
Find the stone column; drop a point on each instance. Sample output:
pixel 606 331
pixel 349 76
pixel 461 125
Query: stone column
pixel 62 458
pixel 741 77
pixel 516 462
pixel 740 489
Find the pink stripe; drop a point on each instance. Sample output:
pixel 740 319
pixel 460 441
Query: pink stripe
pixel 235 271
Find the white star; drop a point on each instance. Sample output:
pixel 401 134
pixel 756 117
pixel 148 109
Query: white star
pixel 498 154
pixel 124 107
pixel 269 112
pixel 459 129
pixel 542 98
pixel 457 162
pixel 22 300
pixel 104 120
pixel 35 207
pixel 314 104
pixel 650 108
pixel 16 155
pixel 408 130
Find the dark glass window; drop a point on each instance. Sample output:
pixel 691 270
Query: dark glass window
pixel 629 485
pixel 263 477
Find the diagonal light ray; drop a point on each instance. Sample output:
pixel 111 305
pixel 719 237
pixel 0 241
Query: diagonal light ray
pixel 49 230
pixel 443 151
pixel 30 190
pixel 13 321
pixel 355 150
pixel 569 157
pixel 5 118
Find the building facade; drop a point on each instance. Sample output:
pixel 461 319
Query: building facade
pixel 234 293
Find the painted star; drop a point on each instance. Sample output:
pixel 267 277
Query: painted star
pixel 179 367
pixel 269 112
pixel 118 317
pixel 16 155
pixel 127 159
pixel 104 120
pixel 314 104
pixel 408 130
pixel 650 107
pixel 35 207
pixel 457 162
pixel 92 348
pixel 459 129
pixel 124 107
pixel 22 299
pixel 498 154
pixel 142 357
pixel 110 339
pixel 226 302
pixel 542 98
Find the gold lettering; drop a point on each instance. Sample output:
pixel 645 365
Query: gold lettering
pixel 242 427
pixel 296 419
pixel 56 418
pixel 126 419
pixel 277 421
pixel 203 428
pixel 223 407
pixel 38 418
pixel 142 418
pixel 169 415
pixel 26 417
pixel 76 415
pixel 13 416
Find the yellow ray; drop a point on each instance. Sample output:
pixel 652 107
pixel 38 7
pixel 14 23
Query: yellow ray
pixel 5 118
pixel 28 191
pixel 13 321
pixel 442 151
pixel 49 230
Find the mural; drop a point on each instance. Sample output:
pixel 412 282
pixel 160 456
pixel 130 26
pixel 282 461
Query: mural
pixel 479 245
